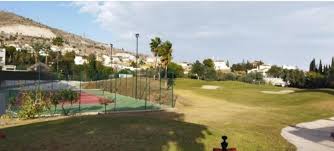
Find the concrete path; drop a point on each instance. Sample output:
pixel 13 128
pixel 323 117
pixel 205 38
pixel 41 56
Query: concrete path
pixel 311 136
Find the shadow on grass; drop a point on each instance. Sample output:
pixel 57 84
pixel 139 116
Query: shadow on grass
pixel 328 91
pixel 149 131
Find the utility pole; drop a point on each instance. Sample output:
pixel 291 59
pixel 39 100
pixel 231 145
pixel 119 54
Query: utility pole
pixel 137 36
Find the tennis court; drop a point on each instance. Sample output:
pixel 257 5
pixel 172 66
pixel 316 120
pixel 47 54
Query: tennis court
pixel 89 101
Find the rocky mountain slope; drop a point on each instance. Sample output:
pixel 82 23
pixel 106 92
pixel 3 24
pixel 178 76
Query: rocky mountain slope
pixel 19 30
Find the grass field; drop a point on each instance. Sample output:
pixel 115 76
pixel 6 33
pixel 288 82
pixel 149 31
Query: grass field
pixel 251 119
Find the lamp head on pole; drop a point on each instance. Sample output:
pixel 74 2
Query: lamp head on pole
pixel 137 35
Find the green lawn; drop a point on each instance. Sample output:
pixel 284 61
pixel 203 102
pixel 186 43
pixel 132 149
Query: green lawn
pixel 128 131
pixel 251 119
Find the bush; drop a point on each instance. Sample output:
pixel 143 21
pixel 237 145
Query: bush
pixel 32 104
pixel 315 80
pixel 221 76
pixel 68 96
pixel 253 77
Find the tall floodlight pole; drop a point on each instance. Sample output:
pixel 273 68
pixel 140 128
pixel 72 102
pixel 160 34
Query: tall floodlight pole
pixel 111 61
pixel 111 46
pixel 137 36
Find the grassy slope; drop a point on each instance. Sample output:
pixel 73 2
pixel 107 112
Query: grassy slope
pixel 127 131
pixel 251 119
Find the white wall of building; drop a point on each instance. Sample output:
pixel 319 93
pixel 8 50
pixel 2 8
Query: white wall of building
pixel 221 65
pixel 2 56
pixel 79 60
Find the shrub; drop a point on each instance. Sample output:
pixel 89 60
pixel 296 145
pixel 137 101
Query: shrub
pixel 223 76
pixel 32 104
pixel 68 96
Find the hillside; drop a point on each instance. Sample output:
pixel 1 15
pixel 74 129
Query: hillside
pixel 19 30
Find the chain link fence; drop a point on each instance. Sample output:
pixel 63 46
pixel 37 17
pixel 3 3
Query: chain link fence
pixel 141 90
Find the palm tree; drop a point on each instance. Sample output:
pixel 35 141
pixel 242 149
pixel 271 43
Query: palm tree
pixel 155 45
pixel 37 47
pixel 165 53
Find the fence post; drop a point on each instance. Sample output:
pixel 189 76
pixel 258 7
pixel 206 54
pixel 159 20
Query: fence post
pixel 173 105
pixel 146 90
pixel 80 92
pixel 149 88
pixel 2 104
pixel 115 94
pixel 126 84
pixel 160 90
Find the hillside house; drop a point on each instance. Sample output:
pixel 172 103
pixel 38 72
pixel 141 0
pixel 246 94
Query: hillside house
pixel 263 69
pixel 221 65
pixel 125 57
pixel 79 60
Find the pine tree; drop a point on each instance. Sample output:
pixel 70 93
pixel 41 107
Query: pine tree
pixel 325 71
pixel 320 67
pixel 227 63
pixel 313 66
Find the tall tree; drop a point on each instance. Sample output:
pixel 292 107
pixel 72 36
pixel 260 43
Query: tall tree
pixel 92 70
pixel 165 54
pixel 10 53
pixel 37 46
pixel 197 69
pixel 320 70
pixel 313 66
pixel 155 44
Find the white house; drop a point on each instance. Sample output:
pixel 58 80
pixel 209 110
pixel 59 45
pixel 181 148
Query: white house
pixel 2 57
pixel 289 67
pixel 263 69
pixel 221 65
pixel 28 47
pixel 275 81
pixel 152 60
pixel 55 48
pixel 125 56
pixel 79 60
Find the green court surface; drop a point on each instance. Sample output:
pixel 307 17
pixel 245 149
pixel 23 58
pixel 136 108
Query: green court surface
pixel 122 103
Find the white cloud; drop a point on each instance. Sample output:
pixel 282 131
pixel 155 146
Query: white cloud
pixel 265 30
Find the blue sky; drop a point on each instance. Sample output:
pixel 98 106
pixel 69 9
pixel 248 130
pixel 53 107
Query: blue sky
pixel 284 33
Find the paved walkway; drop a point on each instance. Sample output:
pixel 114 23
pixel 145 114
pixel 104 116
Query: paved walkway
pixel 311 136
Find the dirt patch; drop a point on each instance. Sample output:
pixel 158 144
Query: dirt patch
pixel 278 92
pixel 210 87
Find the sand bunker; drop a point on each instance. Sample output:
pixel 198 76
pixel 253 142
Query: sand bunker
pixel 210 87
pixel 278 92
